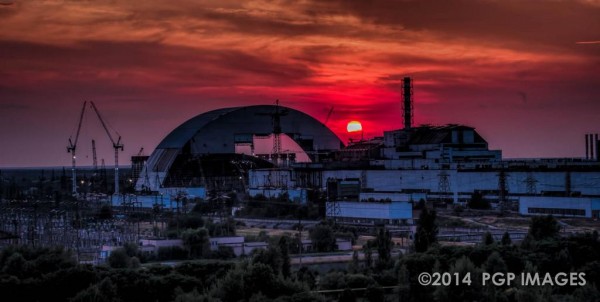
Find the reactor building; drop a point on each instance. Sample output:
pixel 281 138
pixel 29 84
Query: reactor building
pixel 217 148
pixel 274 150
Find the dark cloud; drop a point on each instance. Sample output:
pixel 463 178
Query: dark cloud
pixel 512 23
pixel 9 108
pixel 500 66
pixel 132 63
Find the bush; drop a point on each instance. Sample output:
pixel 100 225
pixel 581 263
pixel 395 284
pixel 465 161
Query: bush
pixel 172 253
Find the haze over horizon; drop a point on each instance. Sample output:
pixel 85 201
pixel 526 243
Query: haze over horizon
pixel 523 73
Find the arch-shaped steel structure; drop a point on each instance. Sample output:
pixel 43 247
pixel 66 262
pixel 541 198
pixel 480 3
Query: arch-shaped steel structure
pixel 218 132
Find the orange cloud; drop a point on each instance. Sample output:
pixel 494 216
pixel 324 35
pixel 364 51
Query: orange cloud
pixel 152 64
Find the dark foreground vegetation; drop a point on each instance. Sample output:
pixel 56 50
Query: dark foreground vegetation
pixel 42 274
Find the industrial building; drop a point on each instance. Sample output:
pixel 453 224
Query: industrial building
pixel 587 207
pixel 383 208
pixel 220 145
pixel 274 150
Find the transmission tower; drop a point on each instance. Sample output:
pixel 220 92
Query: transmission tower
pixel 333 207
pixel 503 202
pixel 363 179
pixel 444 186
pixel 531 182
pixel 568 183
pixel 276 118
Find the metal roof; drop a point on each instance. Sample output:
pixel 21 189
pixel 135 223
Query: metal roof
pixel 182 134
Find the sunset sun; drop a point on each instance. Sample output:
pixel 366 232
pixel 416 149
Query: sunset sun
pixel 354 126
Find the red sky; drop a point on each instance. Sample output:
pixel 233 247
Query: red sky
pixel 515 70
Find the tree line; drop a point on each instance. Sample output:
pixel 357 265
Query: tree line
pixel 51 274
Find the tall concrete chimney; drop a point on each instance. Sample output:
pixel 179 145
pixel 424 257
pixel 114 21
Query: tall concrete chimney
pixel 407 103
pixel 587 147
pixel 592 146
pixel 597 146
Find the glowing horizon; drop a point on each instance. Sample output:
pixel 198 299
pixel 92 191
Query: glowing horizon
pixel 530 86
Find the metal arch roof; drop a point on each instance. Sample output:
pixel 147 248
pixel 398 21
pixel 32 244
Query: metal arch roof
pixel 177 138
pixel 182 134
pixel 213 132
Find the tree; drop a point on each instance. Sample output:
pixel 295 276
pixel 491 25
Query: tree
pixel 495 264
pixel 488 239
pixel 543 227
pixel 586 293
pixel 354 266
pixel 427 230
pixel 463 291
pixel 197 242
pixel 347 296
pixel 15 265
pixel 119 258
pixel 403 284
pixel 384 247
pixel 368 257
pixel 285 256
pixel 131 249
pixel 231 287
pixel 106 291
pixel 270 257
pixel 323 238
pixel 374 294
pixel 134 262
pixel 193 296
pixel 477 202
pixel 260 278
pixel 506 239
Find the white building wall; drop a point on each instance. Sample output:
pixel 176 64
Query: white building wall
pixel 375 210
pixel 546 202
pixel 588 183
pixel 280 178
pixel 295 195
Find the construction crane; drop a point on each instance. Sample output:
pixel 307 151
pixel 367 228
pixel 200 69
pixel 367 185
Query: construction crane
pixel 72 147
pixel 117 145
pixel 276 117
pixel 328 116
pixel 94 158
